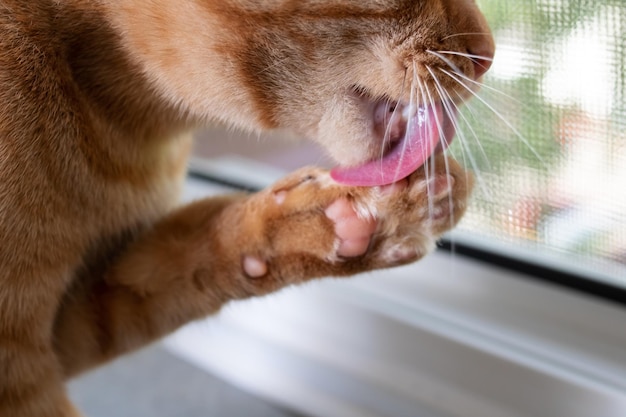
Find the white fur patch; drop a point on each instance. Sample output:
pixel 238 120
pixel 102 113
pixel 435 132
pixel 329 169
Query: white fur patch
pixel 365 211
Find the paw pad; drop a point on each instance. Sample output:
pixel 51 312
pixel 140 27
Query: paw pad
pixel 354 233
pixel 254 267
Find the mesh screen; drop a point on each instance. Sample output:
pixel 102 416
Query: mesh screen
pixel 551 160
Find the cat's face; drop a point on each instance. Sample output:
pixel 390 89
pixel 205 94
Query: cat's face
pixel 335 71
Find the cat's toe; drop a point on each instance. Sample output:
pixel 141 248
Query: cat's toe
pixel 353 231
pixel 404 252
pixel 443 194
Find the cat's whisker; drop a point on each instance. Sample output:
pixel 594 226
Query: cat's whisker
pixel 424 100
pixel 465 149
pixel 427 98
pixel 447 104
pixel 448 61
pixel 387 137
pixel 417 86
pixel 429 166
pixel 499 116
pixel 465 55
pixel 472 131
pixel 465 34
pixel 409 121
pixel 467 153
pixel 483 86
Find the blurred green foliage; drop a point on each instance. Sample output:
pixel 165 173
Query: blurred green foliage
pixel 517 135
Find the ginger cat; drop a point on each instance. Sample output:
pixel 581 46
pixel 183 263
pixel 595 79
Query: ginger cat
pixel 97 99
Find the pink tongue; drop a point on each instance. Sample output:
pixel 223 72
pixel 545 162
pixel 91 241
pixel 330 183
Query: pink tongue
pixel 406 157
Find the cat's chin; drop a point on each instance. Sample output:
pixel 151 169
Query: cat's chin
pixel 412 134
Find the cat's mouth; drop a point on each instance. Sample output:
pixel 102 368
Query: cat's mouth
pixel 411 135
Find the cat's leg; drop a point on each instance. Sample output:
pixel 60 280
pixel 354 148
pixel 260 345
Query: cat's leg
pixel 31 378
pixel 217 250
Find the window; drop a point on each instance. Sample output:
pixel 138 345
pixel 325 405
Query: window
pixel 551 123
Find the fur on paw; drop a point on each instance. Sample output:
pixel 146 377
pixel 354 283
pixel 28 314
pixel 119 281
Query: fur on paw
pixel 308 223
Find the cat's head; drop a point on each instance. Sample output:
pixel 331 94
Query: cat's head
pixel 372 81
pixel 340 72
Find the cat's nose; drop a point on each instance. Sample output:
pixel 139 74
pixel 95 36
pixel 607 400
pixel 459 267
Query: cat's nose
pixel 482 54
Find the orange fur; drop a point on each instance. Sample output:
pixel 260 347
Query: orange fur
pixel 97 99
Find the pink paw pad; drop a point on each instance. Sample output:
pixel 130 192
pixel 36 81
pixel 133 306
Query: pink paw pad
pixel 254 267
pixel 354 233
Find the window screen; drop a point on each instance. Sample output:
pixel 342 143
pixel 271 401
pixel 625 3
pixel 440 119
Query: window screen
pixel 547 135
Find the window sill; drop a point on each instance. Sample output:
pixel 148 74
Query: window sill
pixel 447 336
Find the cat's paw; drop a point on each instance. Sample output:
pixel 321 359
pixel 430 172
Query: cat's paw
pixel 308 226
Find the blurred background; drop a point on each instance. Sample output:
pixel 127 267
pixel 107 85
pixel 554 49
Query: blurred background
pixel 551 151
